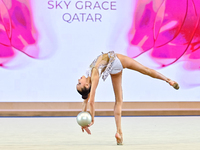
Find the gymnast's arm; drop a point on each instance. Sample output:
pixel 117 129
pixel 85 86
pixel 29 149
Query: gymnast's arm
pixel 85 103
pixel 95 81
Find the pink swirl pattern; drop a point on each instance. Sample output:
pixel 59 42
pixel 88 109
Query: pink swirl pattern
pixel 17 31
pixel 169 30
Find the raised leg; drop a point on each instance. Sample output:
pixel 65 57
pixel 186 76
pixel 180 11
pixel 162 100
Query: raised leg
pixel 130 63
pixel 117 87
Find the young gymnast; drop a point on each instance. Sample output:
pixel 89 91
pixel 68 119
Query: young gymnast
pixel 112 64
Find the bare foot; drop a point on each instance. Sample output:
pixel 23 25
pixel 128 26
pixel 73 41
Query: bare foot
pixel 119 139
pixel 174 84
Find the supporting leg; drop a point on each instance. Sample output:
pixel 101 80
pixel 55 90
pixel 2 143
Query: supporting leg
pixel 117 87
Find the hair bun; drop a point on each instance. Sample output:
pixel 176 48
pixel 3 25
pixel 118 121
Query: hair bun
pixel 84 96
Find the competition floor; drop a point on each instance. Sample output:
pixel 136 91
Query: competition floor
pixel 140 133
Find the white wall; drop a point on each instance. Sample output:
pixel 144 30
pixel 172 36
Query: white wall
pixel 72 47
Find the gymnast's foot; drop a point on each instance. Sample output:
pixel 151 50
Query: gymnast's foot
pixel 174 84
pixel 119 139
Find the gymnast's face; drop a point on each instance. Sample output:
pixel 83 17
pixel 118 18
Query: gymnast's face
pixel 82 82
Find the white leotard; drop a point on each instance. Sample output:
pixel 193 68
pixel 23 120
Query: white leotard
pixel 113 66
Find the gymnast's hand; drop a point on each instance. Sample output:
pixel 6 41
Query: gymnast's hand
pixel 86 129
pixel 91 123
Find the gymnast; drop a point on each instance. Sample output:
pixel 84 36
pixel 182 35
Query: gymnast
pixel 112 64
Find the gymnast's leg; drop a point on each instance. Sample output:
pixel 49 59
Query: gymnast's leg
pixel 117 87
pixel 130 63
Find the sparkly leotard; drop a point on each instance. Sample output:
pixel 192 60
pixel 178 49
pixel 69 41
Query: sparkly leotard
pixel 108 64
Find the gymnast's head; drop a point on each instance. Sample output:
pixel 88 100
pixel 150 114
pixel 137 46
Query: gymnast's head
pixel 83 87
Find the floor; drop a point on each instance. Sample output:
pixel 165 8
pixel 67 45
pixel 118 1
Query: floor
pixel 140 133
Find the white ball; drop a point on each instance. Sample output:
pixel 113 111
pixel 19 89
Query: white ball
pixel 84 118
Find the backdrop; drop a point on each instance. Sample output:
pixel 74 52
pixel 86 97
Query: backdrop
pixel 46 46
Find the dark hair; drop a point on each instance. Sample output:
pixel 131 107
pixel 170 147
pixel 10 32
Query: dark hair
pixel 84 92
